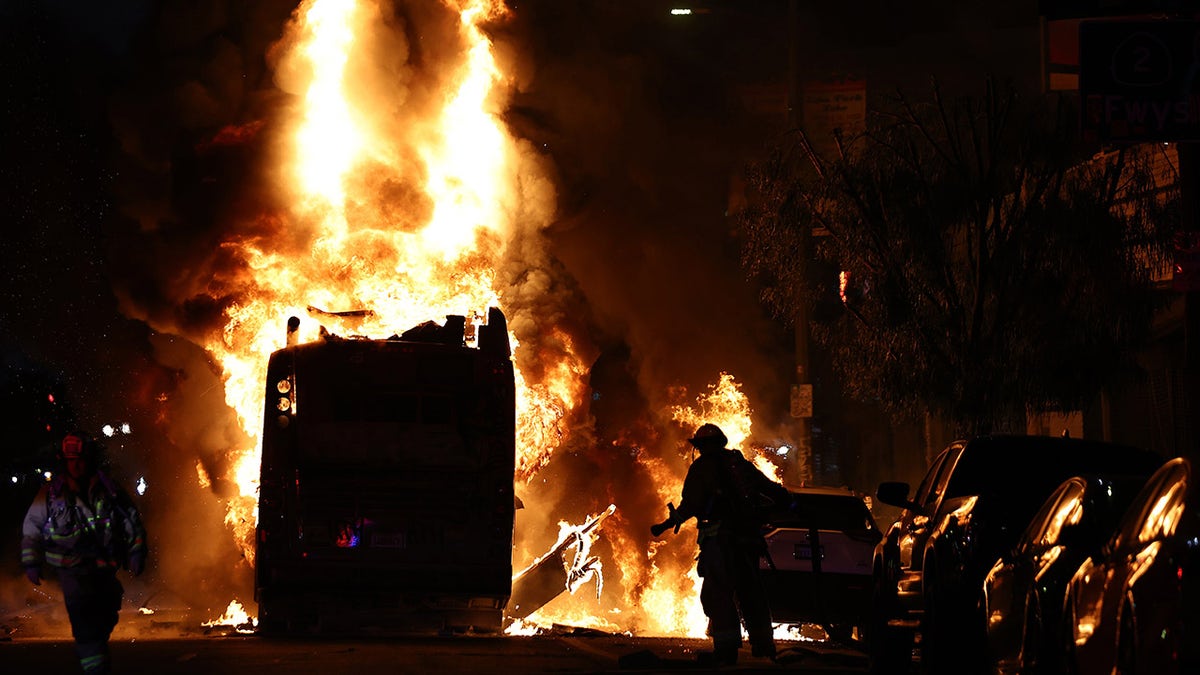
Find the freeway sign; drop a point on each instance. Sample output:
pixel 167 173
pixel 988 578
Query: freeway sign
pixel 1140 80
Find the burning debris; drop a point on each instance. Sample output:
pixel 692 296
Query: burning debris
pixel 234 619
pixel 553 573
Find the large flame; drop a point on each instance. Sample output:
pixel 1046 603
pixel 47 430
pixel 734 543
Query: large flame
pixel 407 215
pixel 368 259
pixel 729 408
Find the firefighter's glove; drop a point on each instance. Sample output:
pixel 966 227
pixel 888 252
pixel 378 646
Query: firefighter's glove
pixel 671 520
pixel 659 528
pixel 137 564
pixel 34 574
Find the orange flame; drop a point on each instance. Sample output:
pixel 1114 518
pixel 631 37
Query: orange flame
pixel 659 589
pixel 365 243
pixel 236 616
pixel 407 203
pixel 726 406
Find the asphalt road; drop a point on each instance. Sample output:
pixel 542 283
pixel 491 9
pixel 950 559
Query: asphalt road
pixel 238 654
pixel 35 638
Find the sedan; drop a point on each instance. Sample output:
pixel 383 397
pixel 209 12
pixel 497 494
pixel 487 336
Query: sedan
pixel 819 565
pixel 976 499
pixel 1023 592
pixel 1134 607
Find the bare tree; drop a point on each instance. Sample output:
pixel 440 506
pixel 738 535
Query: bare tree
pixel 983 264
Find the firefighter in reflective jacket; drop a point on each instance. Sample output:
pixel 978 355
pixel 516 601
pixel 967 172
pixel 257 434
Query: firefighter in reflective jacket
pixel 86 527
pixel 727 494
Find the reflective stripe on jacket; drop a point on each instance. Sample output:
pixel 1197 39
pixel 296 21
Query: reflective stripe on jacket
pixel 102 528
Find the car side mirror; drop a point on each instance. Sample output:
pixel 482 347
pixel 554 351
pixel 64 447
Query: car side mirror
pixel 895 493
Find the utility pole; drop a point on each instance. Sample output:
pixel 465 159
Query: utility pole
pixel 1189 197
pixel 802 393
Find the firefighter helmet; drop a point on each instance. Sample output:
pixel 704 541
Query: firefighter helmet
pixel 72 446
pixel 76 445
pixel 709 436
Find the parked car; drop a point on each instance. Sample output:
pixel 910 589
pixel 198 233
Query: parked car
pixel 1023 592
pixel 1134 607
pixel 831 587
pixel 972 505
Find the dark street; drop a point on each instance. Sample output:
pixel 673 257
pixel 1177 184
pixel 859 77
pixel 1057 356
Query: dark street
pixel 250 655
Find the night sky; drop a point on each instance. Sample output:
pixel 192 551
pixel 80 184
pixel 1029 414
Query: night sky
pixel 58 321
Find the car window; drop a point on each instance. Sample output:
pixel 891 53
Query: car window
pixel 1036 533
pixel 943 475
pixel 1131 523
pixel 845 513
pixel 927 482
pixel 1165 507
pixel 1068 511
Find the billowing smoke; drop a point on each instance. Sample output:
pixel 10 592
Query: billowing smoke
pixel 620 250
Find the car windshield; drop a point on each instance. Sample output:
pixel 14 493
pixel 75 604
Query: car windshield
pixel 846 513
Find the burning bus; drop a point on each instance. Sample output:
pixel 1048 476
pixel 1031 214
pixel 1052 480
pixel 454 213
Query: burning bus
pixel 386 481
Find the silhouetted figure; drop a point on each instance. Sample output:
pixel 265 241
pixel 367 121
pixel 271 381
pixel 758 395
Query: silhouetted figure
pixel 728 495
pixel 86 527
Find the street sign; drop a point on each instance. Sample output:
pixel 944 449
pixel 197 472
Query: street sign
pixel 1140 80
pixel 1094 9
pixel 833 106
pixel 802 400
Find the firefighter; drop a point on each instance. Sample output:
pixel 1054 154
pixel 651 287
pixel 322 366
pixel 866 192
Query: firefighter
pixel 86 527
pixel 728 496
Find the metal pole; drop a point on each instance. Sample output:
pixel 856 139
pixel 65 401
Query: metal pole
pixel 803 457
pixel 1189 193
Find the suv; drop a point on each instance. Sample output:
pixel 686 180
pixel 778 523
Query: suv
pixel 972 505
